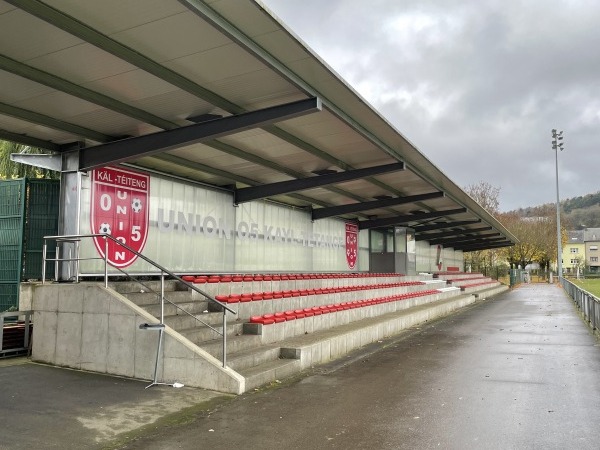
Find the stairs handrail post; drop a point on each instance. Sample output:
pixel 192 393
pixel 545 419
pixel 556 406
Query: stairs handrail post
pixel 224 337
pixel 162 297
pixel 76 265
pixel 44 261
pixel 56 262
pixel 105 262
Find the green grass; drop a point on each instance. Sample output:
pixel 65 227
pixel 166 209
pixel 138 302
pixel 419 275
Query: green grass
pixel 592 285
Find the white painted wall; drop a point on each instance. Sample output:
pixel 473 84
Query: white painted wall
pixel 198 229
pixel 193 228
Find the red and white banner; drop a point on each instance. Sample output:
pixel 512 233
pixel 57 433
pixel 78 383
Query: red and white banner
pixel 119 207
pixel 351 245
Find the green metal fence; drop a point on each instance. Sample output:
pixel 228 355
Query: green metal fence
pixel 41 220
pixel 12 201
pixel 28 211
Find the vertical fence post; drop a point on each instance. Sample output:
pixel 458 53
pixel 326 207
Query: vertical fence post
pixel 162 297
pixel 224 337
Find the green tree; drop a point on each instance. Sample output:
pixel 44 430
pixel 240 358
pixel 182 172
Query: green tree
pixel 487 196
pixel 10 169
pixel 537 238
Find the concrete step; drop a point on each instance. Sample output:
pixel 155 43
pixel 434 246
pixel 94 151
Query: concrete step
pixel 269 372
pixel 200 335
pixel 243 351
pixel 319 347
pixel 150 298
pixel 475 289
pixel 468 282
pixel 491 291
pixel 235 343
pixel 184 321
pixel 253 357
pixel 125 287
pixel 192 307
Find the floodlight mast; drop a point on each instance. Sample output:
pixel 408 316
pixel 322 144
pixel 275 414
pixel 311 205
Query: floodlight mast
pixel 557 136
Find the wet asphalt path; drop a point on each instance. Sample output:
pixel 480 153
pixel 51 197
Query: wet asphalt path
pixel 520 371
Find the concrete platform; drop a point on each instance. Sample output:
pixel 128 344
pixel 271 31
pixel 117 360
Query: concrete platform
pixel 516 371
pixel 44 407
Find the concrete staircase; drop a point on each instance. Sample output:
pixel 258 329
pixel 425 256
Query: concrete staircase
pixel 263 352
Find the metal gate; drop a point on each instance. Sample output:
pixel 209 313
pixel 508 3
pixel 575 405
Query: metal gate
pixel 28 212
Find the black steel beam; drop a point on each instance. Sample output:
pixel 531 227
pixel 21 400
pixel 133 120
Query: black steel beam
pixel 399 220
pixel 51 122
pixel 438 226
pixel 28 140
pixel 428 236
pixel 322 213
pixel 72 26
pixel 285 187
pixel 234 151
pixel 47 79
pixel 480 242
pixel 228 175
pixel 137 147
pixel 466 238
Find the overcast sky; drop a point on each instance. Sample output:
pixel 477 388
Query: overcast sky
pixel 475 85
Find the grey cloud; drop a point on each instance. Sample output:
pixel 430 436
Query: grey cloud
pixel 476 86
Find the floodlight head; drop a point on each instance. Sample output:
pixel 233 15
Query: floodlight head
pixel 553 130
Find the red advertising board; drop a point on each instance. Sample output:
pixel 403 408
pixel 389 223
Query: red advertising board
pixel 351 245
pixel 119 207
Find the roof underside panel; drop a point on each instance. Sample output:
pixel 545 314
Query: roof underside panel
pixel 93 72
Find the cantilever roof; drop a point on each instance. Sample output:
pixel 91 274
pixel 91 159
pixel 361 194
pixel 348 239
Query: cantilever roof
pixel 87 74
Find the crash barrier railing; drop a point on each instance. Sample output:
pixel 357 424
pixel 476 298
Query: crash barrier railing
pixel 588 304
pixel 71 262
pixel 15 329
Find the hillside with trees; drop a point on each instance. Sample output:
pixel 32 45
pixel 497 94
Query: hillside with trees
pixel 577 213
pixel 535 229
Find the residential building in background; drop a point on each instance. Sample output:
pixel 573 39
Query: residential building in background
pixel 573 254
pixel 592 254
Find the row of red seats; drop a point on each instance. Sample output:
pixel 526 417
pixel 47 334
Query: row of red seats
pixel 256 296
pixel 286 316
pixel 279 277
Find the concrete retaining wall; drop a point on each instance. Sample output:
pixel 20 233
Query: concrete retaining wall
pixel 342 342
pixel 91 328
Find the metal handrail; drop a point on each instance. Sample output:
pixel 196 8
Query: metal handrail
pixel 76 238
pixel 587 302
pixel 179 308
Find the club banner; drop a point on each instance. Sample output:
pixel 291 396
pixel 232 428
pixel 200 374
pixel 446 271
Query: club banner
pixel 119 207
pixel 351 244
